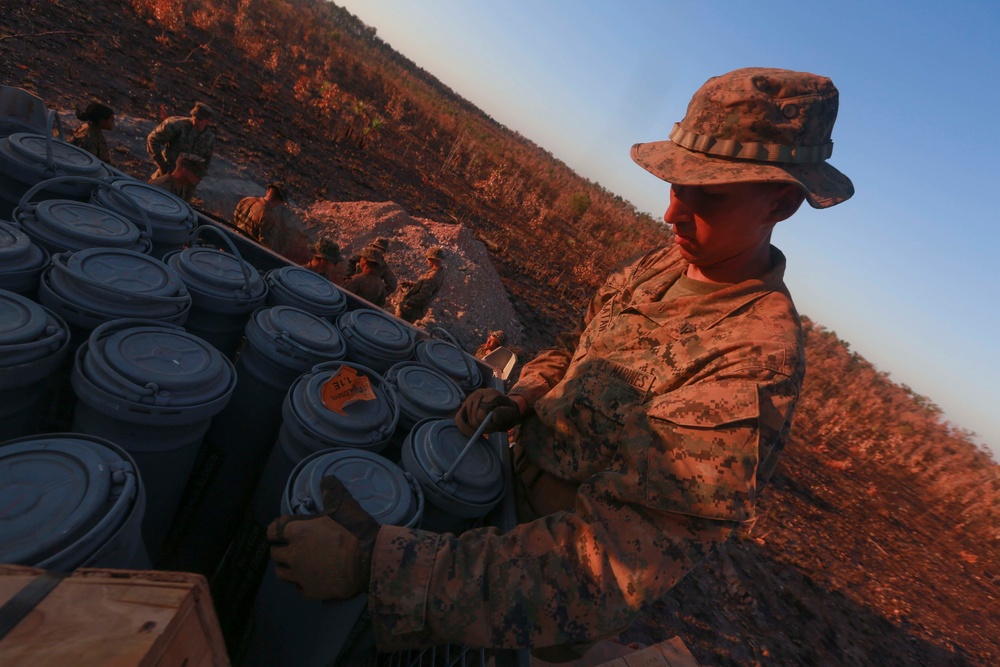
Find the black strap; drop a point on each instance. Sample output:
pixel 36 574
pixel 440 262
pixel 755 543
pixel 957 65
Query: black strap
pixel 27 599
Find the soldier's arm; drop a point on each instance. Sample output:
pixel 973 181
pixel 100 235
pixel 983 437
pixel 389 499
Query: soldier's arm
pixel 157 139
pixel 209 149
pixel 389 278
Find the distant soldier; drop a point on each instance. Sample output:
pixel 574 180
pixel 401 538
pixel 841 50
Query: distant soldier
pixel 327 261
pixel 495 340
pixel 418 297
pixel 384 270
pixel 97 119
pixel 253 214
pixel 367 283
pixel 177 135
pixel 187 173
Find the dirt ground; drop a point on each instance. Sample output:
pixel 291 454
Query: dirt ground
pixel 843 567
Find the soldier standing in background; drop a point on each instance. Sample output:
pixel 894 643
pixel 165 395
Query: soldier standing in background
pixel 367 283
pixel 418 297
pixel 253 214
pixel 179 134
pixel 327 261
pixel 97 119
pixel 648 433
pixel 384 270
pixel 184 178
pixel 493 341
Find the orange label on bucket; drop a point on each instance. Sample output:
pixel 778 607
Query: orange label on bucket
pixel 344 387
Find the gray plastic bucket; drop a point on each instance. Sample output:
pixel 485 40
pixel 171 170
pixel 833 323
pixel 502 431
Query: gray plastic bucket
pixel 98 285
pixel 70 500
pixel 21 260
pixel 152 388
pixel 475 484
pixel 282 343
pixel 171 219
pixel 27 159
pixel 301 288
pixel 33 345
pixel 291 630
pixel 308 426
pixel 450 360
pixel 224 291
pixel 375 339
pixel 423 392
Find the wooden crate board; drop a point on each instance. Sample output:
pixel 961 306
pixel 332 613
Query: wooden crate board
pixel 115 618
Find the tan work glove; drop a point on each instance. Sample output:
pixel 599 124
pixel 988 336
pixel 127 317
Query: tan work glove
pixel 328 556
pixel 506 413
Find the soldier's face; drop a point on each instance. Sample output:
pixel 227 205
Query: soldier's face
pixel 716 223
pixel 200 124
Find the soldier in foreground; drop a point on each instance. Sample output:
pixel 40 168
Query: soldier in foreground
pixel 184 178
pixel 367 283
pixel 97 119
pixel 388 277
pixel 179 134
pixel 648 433
pixel 253 214
pixel 418 296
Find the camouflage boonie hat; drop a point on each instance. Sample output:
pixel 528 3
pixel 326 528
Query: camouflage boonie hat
pixel 755 125
pixel 328 250
pixel 195 163
pixel 435 253
pixel 202 111
pixel 373 255
pixel 382 243
pixel 499 335
pixel 279 189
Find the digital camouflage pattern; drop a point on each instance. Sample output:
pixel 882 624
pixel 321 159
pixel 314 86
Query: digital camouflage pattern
pixel 384 270
pixel 177 135
pixel 368 286
pixel 668 413
pixel 251 215
pixel 90 138
pixel 414 303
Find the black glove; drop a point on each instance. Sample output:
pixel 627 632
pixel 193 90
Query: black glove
pixel 506 413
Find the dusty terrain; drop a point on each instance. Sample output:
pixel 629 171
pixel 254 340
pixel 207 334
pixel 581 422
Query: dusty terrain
pixel 845 566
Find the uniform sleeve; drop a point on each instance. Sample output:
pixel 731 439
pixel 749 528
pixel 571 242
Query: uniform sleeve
pixel 208 148
pixel 157 139
pixel 682 479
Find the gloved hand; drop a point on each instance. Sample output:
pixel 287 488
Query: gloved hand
pixel 327 556
pixel 506 413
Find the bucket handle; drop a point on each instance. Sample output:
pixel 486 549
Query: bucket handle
pixel 101 183
pixel 446 477
pixel 465 356
pixel 244 266
pixel 60 263
pixel 150 389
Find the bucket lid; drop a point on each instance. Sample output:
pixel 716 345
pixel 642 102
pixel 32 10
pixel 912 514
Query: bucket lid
pixel 169 215
pixel 476 485
pixel 64 224
pixel 28 331
pixel 355 423
pixel 30 151
pixel 449 359
pixel 424 391
pixel 374 331
pixel 379 485
pixel 217 279
pixel 155 365
pixel 17 252
pixel 61 492
pixel 299 287
pixel 294 338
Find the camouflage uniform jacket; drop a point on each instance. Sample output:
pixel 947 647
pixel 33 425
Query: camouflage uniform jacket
pixel 166 183
pixel 251 216
pixel 669 414
pixel 177 135
pixel 414 303
pixel 90 138
pixel 388 277
pixel 368 286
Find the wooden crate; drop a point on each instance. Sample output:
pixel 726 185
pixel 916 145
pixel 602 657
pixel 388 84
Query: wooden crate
pixel 115 618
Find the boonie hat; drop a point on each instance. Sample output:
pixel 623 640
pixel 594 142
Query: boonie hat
pixel 279 189
pixel 373 255
pixel 202 110
pixel 435 253
pixel 328 250
pixel 499 335
pixel 382 243
pixel 755 124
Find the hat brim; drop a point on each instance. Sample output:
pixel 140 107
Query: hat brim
pixel 823 184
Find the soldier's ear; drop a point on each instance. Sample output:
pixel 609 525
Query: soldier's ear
pixel 787 200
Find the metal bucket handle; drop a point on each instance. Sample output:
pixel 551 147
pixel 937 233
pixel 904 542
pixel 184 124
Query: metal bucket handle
pixel 465 356
pixel 390 391
pixel 52 119
pixel 59 263
pixel 244 266
pixel 25 200
pixel 150 389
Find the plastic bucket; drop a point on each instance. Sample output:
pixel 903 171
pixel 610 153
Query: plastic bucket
pixel 21 261
pixel 375 339
pixel 172 220
pixel 451 361
pixel 304 289
pixel 153 388
pixel 312 422
pixel 423 392
pixel 68 501
pixel 97 285
pixel 33 345
pixel 291 630
pixel 224 291
pixel 282 343
pixel 460 483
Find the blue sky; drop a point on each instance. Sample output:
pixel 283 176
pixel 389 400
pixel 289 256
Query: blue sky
pixel 907 271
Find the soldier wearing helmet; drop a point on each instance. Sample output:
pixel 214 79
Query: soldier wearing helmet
pixel 182 134
pixel 367 283
pixel 418 297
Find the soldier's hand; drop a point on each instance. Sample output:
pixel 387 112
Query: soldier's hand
pixel 506 413
pixel 317 555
